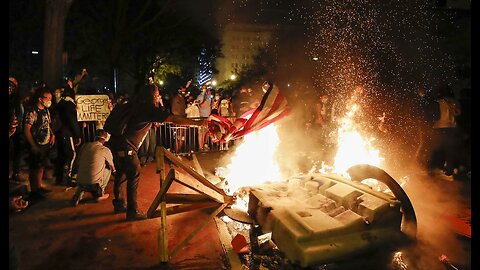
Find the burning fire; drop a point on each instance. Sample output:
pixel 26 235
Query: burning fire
pixel 254 161
pixel 246 167
pixel 353 148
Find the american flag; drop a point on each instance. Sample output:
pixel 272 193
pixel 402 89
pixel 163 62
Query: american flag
pixel 273 107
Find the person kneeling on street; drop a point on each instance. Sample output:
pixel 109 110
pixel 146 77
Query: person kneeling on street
pixel 95 165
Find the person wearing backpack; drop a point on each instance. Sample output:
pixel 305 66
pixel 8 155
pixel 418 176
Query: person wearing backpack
pixel 138 116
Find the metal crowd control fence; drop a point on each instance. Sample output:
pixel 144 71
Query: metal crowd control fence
pixel 179 139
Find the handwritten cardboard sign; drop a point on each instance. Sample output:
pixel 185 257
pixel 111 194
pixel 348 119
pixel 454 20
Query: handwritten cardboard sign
pixel 92 107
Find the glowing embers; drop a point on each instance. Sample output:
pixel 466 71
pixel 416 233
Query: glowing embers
pixel 323 218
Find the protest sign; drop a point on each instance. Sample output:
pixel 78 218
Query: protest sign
pixel 92 107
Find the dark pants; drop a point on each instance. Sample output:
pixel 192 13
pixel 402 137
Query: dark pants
pixel 147 149
pixel 66 155
pixel 447 150
pixel 16 151
pixel 128 165
pixel 37 161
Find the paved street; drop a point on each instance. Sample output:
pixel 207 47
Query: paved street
pixel 50 234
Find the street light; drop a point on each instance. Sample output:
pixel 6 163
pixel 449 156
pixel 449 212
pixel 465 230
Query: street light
pixel 233 77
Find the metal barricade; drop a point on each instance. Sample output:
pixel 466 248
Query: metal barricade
pixel 179 139
pixel 88 132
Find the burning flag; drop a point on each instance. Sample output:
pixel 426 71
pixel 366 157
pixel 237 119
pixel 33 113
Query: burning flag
pixel 272 108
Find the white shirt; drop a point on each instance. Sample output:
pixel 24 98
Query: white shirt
pixel 192 111
pixel 91 162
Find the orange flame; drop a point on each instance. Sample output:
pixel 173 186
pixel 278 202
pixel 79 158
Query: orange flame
pixel 254 160
pixel 353 148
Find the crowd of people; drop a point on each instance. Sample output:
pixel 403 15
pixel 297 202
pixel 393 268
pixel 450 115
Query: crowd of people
pixel 44 132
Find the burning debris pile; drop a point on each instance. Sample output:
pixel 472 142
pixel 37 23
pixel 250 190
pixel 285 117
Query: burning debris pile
pixel 323 218
pixel 315 217
pixel 313 220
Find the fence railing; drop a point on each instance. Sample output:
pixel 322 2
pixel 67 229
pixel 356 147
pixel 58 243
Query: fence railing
pixel 179 139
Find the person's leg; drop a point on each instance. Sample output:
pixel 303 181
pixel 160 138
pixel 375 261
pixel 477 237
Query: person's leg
pixel 16 155
pixel 200 138
pixel 152 145
pixel 70 156
pixel 132 172
pixel 142 151
pixel 32 178
pixel 105 178
pixel 453 151
pixel 34 167
pixel 434 160
pixel 60 162
pixel 118 193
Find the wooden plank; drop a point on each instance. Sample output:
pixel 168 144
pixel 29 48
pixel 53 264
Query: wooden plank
pixel 196 165
pixel 160 158
pixel 186 198
pixel 189 237
pixel 180 208
pixel 226 240
pixel 162 236
pixel 158 198
pixel 188 181
pixel 175 160
pixel 162 231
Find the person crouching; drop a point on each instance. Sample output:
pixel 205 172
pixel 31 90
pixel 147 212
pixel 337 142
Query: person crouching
pixel 95 165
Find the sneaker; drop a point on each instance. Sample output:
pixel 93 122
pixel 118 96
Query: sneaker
pixel 77 197
pixel 137 215
pixel 71 182
pixel 102 198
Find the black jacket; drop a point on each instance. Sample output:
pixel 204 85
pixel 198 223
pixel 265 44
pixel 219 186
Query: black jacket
pixel 67 114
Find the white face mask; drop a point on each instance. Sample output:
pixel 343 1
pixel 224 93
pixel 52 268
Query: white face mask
pixel 217 97
pixel 47 103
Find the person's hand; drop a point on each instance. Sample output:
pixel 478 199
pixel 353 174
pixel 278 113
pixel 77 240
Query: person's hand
pixel 11 131
pixel 52 140
pixel 79 141
pixel 14 122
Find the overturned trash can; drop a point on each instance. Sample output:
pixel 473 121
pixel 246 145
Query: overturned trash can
pixel 323 218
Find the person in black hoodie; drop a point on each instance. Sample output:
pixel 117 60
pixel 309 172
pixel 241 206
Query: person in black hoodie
pixel 70 137
pixel 146 106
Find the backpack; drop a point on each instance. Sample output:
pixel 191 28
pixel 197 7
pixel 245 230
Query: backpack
pixel 117 120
